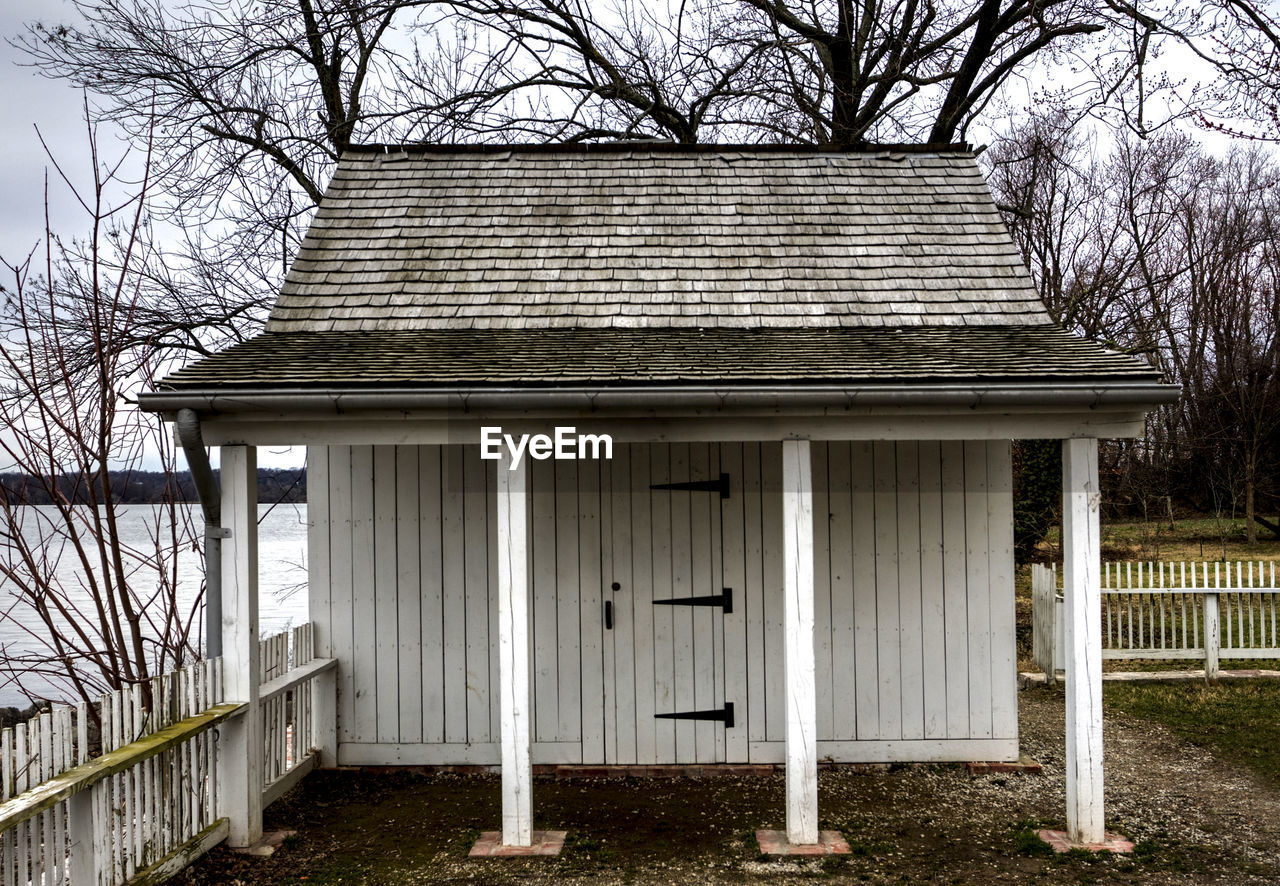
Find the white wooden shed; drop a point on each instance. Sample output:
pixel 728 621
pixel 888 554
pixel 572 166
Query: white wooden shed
pixel 811 365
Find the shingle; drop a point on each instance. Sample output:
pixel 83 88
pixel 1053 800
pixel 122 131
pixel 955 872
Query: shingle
pixel 386 354
pixel 662 237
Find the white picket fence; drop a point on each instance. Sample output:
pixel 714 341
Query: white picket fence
pixel 1197 611
pixel 147 805
pixel 288 716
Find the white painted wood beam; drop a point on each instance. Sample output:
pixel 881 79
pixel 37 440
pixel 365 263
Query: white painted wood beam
pixel 801 707
pixel 1082 636
pixel 240 748
pixel 513 652
pixel 966 424
pixel 324 718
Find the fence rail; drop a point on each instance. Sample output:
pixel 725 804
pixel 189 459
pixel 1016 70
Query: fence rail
pixel 1169 610
pixel 147 805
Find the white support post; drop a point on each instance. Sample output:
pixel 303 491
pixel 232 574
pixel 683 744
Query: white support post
pixel 240 747
pixel 1082 636
pixel 513 651
pixel 802 709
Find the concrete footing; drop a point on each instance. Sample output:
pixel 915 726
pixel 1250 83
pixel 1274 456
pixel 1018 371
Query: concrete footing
pixel 270 842
pixel 544 843
pixel 1062 843
pixel 775 843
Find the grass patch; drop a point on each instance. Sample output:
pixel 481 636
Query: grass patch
pixel 1027 842
pixel 1238 722
pixel 1199 538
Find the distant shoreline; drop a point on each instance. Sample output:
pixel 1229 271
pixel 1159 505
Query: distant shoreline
pixel 275 486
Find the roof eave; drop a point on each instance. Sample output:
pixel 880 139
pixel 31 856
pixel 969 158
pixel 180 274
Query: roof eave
pixel 975 394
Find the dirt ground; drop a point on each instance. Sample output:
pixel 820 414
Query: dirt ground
pixel 1195 819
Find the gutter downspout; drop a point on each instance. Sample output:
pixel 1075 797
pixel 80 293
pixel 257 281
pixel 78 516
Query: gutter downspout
pixel 188 425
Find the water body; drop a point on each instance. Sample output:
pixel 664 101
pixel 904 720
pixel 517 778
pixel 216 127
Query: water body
pixel 282 574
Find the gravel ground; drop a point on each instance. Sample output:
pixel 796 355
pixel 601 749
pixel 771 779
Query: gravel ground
pixel 1195 820
pixel 1161 788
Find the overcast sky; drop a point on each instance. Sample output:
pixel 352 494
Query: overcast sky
pixel 28 100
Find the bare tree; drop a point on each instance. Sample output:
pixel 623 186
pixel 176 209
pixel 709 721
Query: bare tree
pixel 283 86
pixel 572 71
pixel 1233 316
pixel 93 586
pixel 246 108
pixel 256 102
pixel 1161 250
pixel 1044 176
pixel 843 72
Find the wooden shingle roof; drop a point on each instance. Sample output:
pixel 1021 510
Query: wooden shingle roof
pixel 649 265
pixel 655 236
pixel 605 357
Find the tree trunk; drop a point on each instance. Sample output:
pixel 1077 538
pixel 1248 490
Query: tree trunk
pixel 1251 525
pixel 1273 528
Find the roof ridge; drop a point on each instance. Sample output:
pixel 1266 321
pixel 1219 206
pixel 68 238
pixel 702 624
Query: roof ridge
pixel 659 147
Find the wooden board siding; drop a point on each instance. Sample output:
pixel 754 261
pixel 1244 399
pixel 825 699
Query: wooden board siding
pixel 913 603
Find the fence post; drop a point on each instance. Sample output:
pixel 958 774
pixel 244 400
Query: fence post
pixel 324 717
pixel 1049 619
pixel 80 838
pixel 1044 618
pixel 1059 632
pixel 1037 620
pixel 1212 637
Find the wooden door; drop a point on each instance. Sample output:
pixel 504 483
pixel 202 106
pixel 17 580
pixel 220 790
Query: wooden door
pixel 665 605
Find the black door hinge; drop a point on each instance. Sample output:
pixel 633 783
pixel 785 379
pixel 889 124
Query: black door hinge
pixel 724 714
pixel 721 486
pixel 723 600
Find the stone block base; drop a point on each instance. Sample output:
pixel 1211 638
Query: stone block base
pixel 270 842
pixel 1062 843
pixel 544 843
pixel 775 843
pixel 683 770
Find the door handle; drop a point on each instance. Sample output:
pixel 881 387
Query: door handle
pixel 608 615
